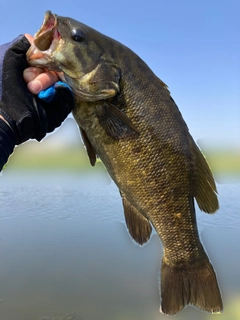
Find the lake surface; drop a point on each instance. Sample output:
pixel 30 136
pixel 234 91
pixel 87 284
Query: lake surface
pixel 65 253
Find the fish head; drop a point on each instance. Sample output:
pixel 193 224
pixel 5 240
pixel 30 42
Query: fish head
pixel 78 54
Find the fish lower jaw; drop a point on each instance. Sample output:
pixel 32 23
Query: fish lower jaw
pixel 39 58
pixel 38 61
pixel 42 60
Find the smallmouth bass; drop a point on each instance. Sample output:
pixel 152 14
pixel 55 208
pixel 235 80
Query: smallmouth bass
pixel 129 120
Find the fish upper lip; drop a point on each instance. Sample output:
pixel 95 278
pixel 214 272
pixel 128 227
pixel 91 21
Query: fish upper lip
pixel 47 33
pixel 49 22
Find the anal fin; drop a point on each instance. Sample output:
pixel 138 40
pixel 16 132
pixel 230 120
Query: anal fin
pixel 138 226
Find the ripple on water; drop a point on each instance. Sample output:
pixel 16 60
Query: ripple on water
pixel 69 316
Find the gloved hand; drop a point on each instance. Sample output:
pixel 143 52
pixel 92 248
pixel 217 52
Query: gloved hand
pixel 26 115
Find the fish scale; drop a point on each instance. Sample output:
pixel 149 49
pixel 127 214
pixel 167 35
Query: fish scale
pixel 128 119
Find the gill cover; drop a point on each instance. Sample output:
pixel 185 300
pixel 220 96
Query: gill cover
pixel 99 84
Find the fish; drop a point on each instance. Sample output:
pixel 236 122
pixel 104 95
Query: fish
pixel 129 120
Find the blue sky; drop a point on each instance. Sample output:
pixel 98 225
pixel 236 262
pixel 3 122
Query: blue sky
pixel 193 46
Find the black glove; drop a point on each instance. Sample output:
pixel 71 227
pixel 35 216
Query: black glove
pixel 26 116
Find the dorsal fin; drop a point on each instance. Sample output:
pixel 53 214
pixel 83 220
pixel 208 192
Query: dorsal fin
pixel 206 191
pixel 138 226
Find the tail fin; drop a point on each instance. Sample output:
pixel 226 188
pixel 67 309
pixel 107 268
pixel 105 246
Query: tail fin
pixel 191 285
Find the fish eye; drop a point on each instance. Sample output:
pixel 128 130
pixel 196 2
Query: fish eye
pixel 77 35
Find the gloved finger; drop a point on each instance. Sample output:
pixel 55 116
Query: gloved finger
pixel 60 107
pixel 49 94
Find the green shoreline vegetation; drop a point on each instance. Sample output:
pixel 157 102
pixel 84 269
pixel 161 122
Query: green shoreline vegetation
pixel 224 161
pixel 43 156
pixel 35 156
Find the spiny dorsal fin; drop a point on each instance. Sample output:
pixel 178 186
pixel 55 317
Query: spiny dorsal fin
pixel 90 151
pixel 138 226
pixel 116 124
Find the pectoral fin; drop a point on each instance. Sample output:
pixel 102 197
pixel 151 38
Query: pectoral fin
pixel 116 124
pixel 138 226
pixel 90 151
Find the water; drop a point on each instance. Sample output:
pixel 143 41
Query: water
pixel 66 254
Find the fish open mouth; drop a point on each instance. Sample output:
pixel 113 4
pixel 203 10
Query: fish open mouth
pixel 46 40
pixel 47 32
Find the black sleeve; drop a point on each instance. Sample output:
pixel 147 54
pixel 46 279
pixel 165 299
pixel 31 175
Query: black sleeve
pixel 7 142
